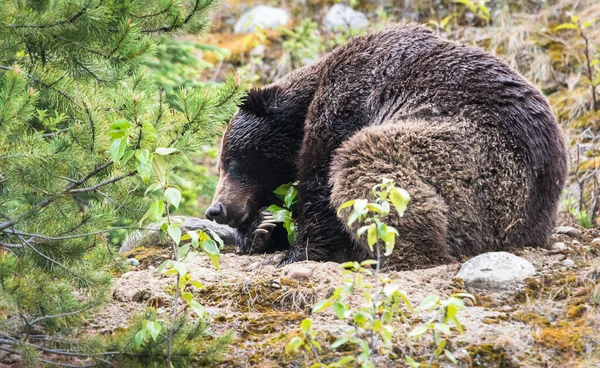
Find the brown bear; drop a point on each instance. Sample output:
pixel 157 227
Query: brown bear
pixel 471 140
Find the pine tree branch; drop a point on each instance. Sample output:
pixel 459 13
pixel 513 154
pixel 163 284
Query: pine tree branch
pixel 66 237
pixel 72 19
pixel 26 242
pixel 100 185
pixel 59 364
pixel 153 14
pixel 39 319
pixel 174 26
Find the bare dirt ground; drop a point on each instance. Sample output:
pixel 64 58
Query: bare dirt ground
pixel 552 320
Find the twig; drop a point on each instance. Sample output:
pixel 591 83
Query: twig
pixel 100 185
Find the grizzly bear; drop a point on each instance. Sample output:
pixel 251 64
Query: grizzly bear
pixel 471 140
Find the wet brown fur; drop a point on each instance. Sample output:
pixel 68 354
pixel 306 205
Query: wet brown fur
pixel 473 142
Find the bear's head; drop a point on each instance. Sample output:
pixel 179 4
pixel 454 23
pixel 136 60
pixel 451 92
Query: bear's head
pixel 258 153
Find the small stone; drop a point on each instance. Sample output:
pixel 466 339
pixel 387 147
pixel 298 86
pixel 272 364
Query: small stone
pixel 261 16
pixel 559 246
pixel 595 241
pixel 495 271
pixel 341 16
pixel 568 230
pixel 568 262
pixel 299 273
pixel 133 262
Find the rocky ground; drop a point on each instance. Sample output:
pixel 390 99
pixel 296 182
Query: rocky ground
pixel 550 318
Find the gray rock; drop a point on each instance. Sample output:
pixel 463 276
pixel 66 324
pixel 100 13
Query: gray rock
pixel 559 246
pixel 341 16
pixel 298 272
pixel 152 236
pixel 495 271
pixel 568 230
pixel 262 16
pixel 595 241
pixel 568 262
pixel 133 262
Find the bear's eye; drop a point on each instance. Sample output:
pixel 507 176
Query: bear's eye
pixel 231 166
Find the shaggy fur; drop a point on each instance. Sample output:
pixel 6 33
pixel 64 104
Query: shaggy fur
pixel 474 144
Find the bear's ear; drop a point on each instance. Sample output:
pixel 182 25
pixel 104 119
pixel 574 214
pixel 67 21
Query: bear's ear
pixel 261 101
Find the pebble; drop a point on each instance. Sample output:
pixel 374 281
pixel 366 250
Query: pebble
pixel 133 262
pixel 495 271
pixel 568 262
pixel 299 273
pixel 342 16
pixel 261 16
pixel 596 241
pixel 568 230
pixel 559 246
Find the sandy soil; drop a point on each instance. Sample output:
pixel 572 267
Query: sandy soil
pixel 552 320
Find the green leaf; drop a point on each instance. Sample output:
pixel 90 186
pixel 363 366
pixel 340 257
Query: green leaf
pixel 117 149
pixel 430 302
pixel 412 362
pixel 162 266
pixel 339 342
pixel 142 155
pixel 175 233
pixel 567 26
pixel 127 156
pixel 345 205
pixel 339 310
pixel 360 204
pixel 183 251
pixel 390 242
pixel 418 331
pixel 119 128
pixel 165 151
pixel 198 308
pixel 151 188
pixel 320 306
pixel 153 329
pixel 173 196
pixel 140 336
pixel 144 166
pixel 372 235
pixel 450 357
pixel 212 251
pixel 187 296
pixel 197 284
pixel 275 208
pixel 442 327
pixel 400 199
pixel 160 166
pixel 294 345
pixel 306 325
pixel 180 268
pixel 216 238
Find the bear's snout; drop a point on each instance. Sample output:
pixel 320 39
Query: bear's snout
pixel 216 212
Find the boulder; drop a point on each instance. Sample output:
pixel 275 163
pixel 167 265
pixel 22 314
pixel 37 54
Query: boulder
pixel 262 16
pixel 495 271
pixel 341 16
pixel 568 230
pixel 152 236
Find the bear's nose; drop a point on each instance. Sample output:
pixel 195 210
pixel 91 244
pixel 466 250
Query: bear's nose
pixel 215 212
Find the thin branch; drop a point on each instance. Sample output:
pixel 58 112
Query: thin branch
pixel 100 185
pixel 39 319
pixel 48 361
pixel 51 260
pixel 46 135
pixel 153 14
pixel 175 25
pixel 45 237
pixel 72 19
